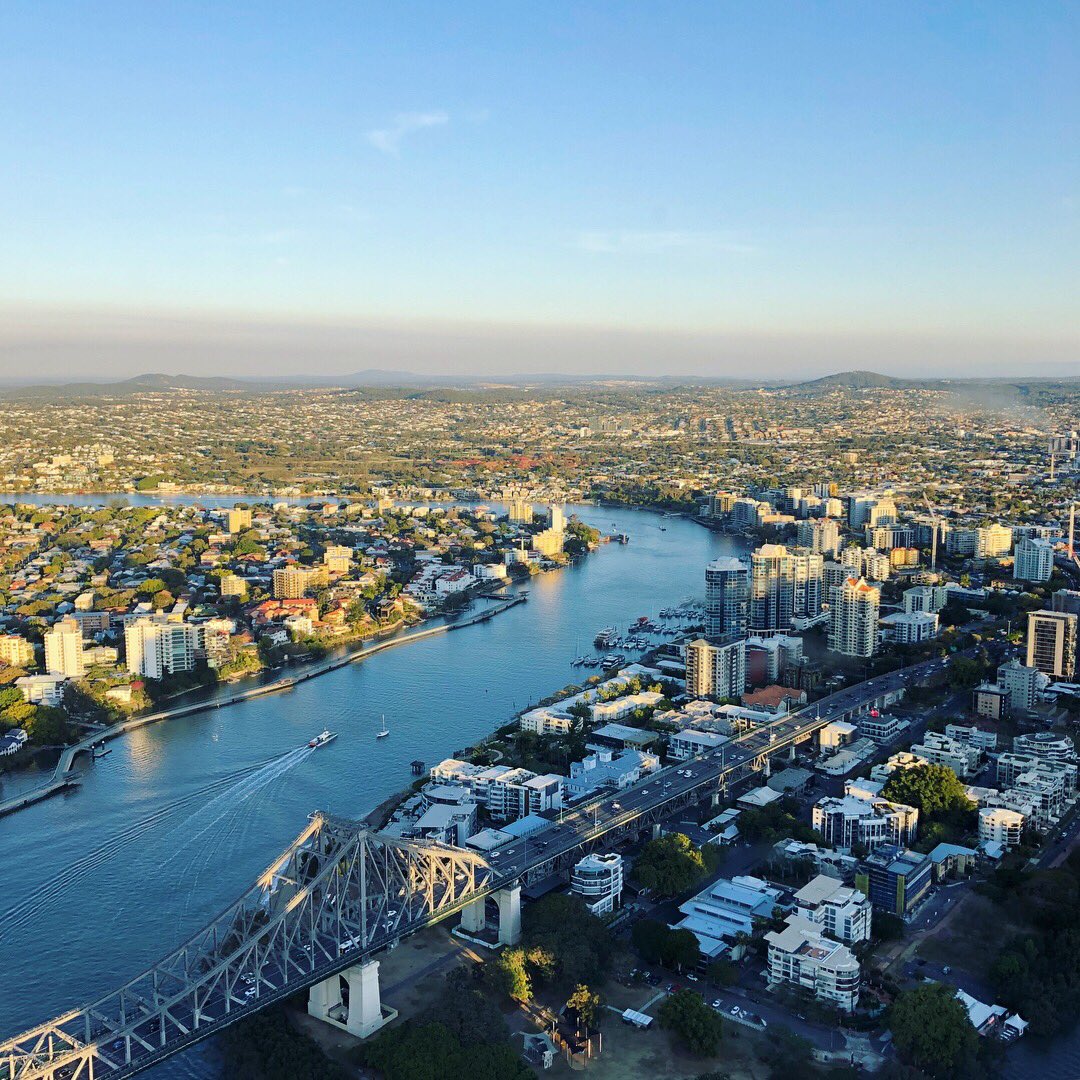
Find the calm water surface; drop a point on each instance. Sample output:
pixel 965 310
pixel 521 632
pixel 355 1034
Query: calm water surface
pixel 182 816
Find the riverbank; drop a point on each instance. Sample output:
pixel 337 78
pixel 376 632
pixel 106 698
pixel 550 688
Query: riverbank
pixel 61 780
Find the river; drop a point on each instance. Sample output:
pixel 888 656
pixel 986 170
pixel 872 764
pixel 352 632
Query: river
pixel 182 816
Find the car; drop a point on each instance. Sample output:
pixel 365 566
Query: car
pixel 511 851
pixel 691 976
pixel 717 1004
pixel 616 806
pixel 734 1010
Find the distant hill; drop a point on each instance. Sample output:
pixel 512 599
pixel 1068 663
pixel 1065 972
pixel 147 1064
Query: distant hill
pixel 861 380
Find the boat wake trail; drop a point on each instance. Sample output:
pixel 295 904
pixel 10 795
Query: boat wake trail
pixel 182 821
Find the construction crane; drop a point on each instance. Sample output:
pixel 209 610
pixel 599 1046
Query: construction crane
pixel 935 520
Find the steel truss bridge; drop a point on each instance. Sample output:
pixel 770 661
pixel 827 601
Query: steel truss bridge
pixel 338 893
pixel 342 891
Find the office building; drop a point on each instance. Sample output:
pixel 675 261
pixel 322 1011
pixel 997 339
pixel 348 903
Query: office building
pixel 1051 643
pixel 64 650
pixel 842 912
pixel 998 825
pixel 800 955
pixel 157 646
pixel 785 584
pixel 16 651
pixel 1033 560
pixel 850 820
pixel 598 880
pixel 896 880
pixel 716 669
pixel 1067 600
pixel 727 597
pixel 853 629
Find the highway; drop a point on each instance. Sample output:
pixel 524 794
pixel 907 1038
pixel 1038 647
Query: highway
pixel 698 778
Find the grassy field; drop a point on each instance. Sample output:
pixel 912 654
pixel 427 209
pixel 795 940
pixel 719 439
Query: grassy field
pixel 971 937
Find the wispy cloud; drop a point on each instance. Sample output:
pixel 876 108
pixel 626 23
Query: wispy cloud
pixel 389 139
pixel 658 241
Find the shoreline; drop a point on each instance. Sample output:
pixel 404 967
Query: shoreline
pixel 62 779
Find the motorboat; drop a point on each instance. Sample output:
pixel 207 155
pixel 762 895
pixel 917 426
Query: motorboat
pixel 322 739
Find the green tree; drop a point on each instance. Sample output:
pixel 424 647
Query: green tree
pixel 670 865
pixel 932 789
pixel 562 929
pixel 585 1004
pixel 932 1031
pixel 697 1025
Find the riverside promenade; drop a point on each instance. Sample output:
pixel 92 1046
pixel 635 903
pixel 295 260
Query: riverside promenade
pixel 62 777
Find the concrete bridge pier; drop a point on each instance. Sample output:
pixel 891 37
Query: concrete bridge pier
pixel 509 901
pixel 364 1014
pixel 474 917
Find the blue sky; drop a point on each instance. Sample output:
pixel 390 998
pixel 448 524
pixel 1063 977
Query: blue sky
pixel 768 174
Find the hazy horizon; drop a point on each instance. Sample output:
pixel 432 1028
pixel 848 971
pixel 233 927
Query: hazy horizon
pixel 489 188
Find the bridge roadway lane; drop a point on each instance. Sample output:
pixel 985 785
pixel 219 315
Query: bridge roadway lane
pixel 602 814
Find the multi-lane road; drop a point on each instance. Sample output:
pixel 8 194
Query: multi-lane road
pixel 698 778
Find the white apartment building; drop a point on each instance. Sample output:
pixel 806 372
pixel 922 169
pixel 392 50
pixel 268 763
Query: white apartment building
pixel 845 822
pixel 928 598
pixel 41 689
pixel 689 743
pixel 1045 745
pixel 598 880
pixel 998 825
pixel 156 645
pixel 910 628
pixel 64 650
pixel 715 669
pixel 785 584
pixel 1033 560
pixel 938 749
pixel 853 629
pixel 508 793
pixel 800 955
pixel 1020 683
pixel 972 736
pixel 842 912
pixel 882 728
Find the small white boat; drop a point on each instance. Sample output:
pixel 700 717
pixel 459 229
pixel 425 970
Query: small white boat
pixel 322 739
pixel 385 730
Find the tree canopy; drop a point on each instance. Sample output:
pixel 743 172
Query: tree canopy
pixel 931 789
pixel 932 1031
pixel 659 944
pixel 670 865
pixel 697 1025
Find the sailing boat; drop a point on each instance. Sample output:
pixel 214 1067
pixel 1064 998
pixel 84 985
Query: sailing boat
pixel 385 730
